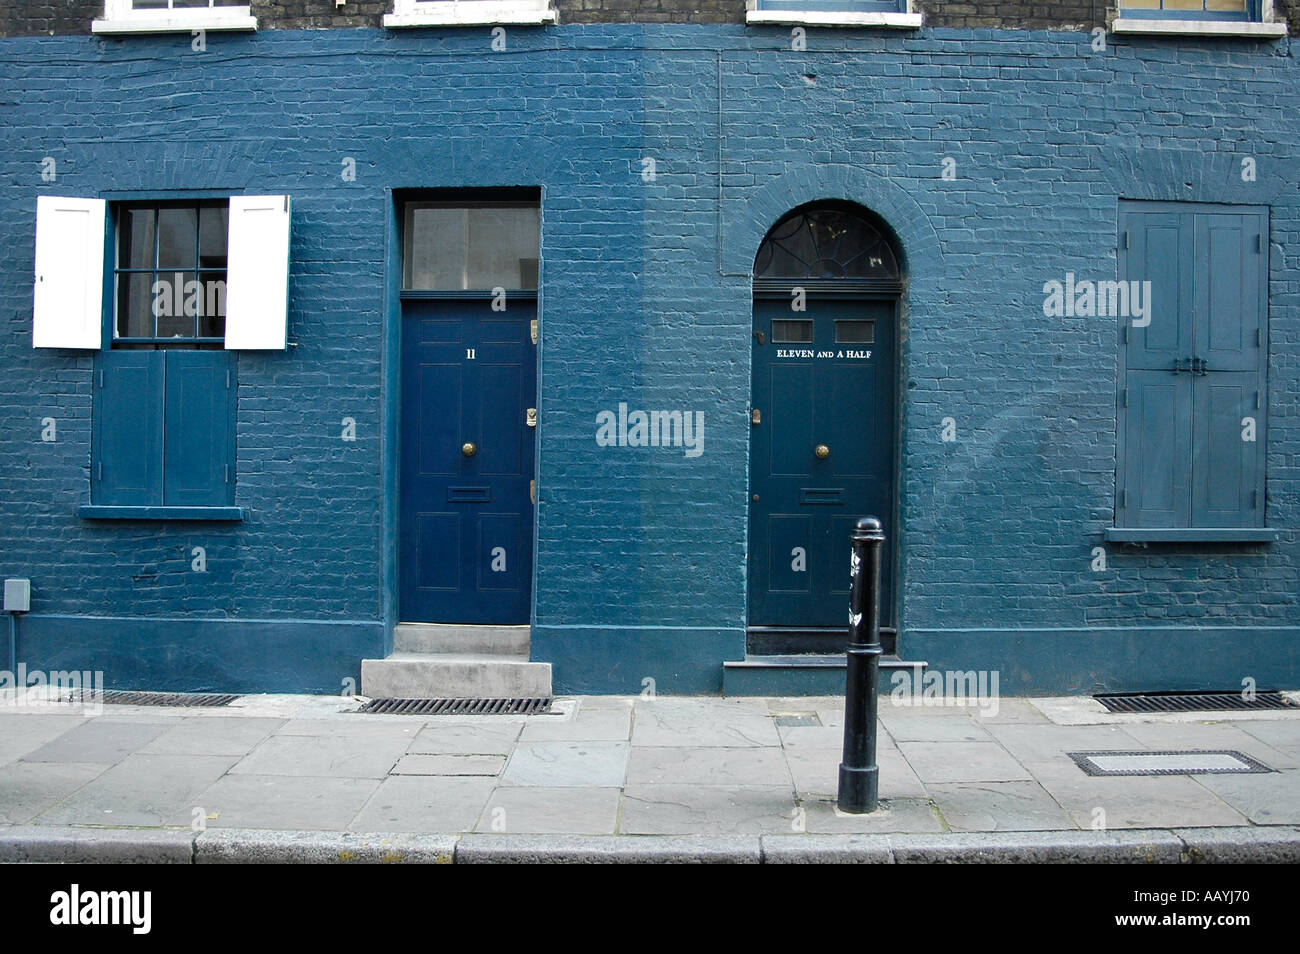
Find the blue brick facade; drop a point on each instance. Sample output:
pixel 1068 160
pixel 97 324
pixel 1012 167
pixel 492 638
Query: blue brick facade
pixel 645 298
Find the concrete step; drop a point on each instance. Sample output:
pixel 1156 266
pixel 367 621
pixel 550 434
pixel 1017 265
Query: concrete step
pixel 406 675
pixel 460 638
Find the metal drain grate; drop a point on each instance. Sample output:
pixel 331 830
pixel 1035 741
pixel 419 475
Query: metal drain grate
pixel 796 719
pixel 458 706
pixel 1184 762
pixel 1191 701
pixel 124 697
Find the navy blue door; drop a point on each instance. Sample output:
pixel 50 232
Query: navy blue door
pixel 821 455
pixel 469 379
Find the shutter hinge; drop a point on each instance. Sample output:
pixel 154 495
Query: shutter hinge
pixel 99 471
pixel 227 480
pixel 1257 400
pixel 1126 238
pixel 227 379
pixel 1126 327
pixel 1259 337
pixel 1259 242
pixel 286 203
pixel 1123 500
pixel 1254 500
pixel 1125 396
pixel 101 379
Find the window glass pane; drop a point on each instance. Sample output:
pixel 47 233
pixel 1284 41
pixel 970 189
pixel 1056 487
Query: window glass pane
pixel 177 231
pixel 503 248
pixel 212 308
pixel 855 332
pixel 1184 4
pixel 793 331
pixel 149 5
pixel 135 305
pixel 1237 6
pixel 212 236
pixel 177 303
pixel 182 4
pixel 137 238
pixel 471 247
pixel 1142 4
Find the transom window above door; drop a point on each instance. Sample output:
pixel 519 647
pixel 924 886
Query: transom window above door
pixel 824 244
pixel 471 246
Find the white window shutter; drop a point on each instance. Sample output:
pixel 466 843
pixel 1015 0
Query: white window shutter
pixel 67 303
pixel 257 276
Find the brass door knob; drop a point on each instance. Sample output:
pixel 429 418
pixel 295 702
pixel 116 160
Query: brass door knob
pixel 468 449
pixel 822 451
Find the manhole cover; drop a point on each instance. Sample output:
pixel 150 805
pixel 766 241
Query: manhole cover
pixel 1188 762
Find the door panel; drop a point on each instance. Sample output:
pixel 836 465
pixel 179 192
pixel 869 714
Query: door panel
pixel 1224 464
pixel 818 384
pixel 1159 251
pixel 469 374
pixel 1159 435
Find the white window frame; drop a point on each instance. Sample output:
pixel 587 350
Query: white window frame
pixel 911 20
pixel 120 16
pixel 1266 28
pixel 427 13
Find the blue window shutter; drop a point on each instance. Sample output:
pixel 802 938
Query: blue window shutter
pixel 128 438
pixel 1160 252
pixel 1225 467
pixel 1157 446
pixel 1229 292
pixel 198 456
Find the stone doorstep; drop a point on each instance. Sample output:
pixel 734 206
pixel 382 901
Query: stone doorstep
pixel 405 675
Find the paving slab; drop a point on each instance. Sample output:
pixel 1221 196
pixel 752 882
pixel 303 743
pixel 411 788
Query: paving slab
pixel 1284 736
pixel 323 757
pixel 587 725
pixel 914 728
pixel 532 809
pixel 606 849
pixel 29 788
pixel 242 846
pixel 961 762
pixel 27 732
pixel 821 816
pixel 722 809
pixel 1271 799
pixel 1213 735
pixel 205 736
pixel 703 722
pixel 100 741
pixel 999 806
pixel 812 736
pixel 1045 743
pixel 141 790
pixel 483 738
pixel 281 802
pixel 414 803
pixel 490 765
pixel 748 765
pixel 1161 801
pixel 581 764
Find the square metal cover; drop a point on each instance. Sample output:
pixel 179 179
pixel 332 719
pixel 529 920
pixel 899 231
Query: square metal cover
pixel 1183 762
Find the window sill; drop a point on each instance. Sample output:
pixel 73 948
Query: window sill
pixel 101 512
pixel 832 18
pixel 1139 25
pixel 1191 535
pixel 228 18
pixel 478 13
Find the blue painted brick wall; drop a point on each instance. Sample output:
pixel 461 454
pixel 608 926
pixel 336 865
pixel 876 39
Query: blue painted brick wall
pixel 645 299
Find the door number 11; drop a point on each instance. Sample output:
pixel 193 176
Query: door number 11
pixel 469 354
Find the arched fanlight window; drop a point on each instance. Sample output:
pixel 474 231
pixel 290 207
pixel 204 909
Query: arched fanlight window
pixel 826 244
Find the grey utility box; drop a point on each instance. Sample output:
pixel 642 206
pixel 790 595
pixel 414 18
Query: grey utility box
pixel 18 596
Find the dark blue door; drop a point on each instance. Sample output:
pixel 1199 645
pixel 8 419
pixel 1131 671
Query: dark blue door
pixel 821 455
pixel 469 380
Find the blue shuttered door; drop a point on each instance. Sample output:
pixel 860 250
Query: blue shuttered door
pixel 199 425
pixel 128 432
pixel 1193 394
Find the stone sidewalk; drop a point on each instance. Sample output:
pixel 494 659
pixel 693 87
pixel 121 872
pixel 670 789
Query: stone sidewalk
pixel 748 775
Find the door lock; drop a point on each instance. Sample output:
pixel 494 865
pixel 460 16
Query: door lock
pixel 531 417
pixel 756 417
pixel 822 451
pixel 468 449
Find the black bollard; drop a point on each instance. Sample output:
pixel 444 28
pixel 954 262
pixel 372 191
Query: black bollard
pixel 859 789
